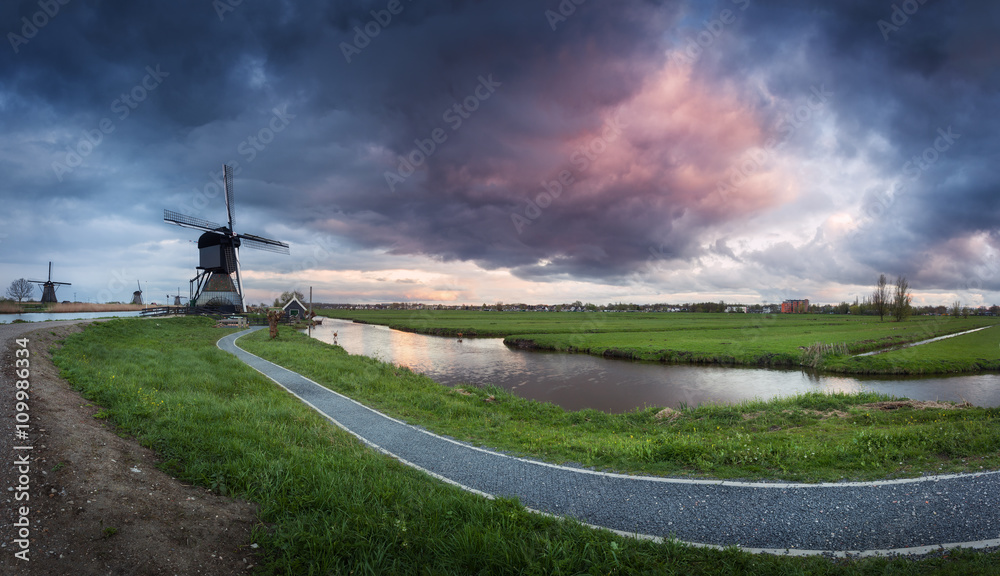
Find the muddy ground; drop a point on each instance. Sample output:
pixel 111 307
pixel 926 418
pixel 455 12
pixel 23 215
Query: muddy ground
pixel 97 504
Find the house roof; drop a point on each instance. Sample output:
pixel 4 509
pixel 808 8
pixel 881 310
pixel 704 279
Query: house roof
pixel 289 303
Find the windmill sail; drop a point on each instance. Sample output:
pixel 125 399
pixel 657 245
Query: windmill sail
pixel 266 244
pixel 230 199
pixel 191 221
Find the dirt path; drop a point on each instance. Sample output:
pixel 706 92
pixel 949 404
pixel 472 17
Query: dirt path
pixel 96 502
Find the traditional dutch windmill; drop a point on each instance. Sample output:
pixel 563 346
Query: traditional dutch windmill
pixel 49 288
pixel 177 298
pixel 219 255
pixel 137 295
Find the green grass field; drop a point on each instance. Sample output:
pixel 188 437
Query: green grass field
pixel 781 340
pixel 329 505
pixel 979 351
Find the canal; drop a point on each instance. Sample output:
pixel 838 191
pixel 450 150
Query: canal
pixel 578 381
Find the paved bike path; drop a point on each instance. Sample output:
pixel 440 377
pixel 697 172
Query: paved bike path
pixel 864 518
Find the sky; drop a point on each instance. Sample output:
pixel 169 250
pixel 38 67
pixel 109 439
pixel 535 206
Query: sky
pixel 453 152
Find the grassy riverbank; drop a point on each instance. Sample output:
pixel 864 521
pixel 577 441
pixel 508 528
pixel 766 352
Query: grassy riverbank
pixel 809 438
pixel 10 307
pixel 824 342
pixel 976 352
pixel 329 505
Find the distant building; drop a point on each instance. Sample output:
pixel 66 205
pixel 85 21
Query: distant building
pixel 294 309
pixel 795 307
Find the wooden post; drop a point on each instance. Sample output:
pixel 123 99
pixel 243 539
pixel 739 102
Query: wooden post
pixel 310 315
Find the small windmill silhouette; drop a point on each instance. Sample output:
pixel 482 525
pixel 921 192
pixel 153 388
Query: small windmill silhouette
pixel 137 295
pixel 177 298
pixel 49 287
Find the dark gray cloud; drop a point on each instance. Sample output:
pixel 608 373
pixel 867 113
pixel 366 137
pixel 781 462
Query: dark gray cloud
pixel 184 88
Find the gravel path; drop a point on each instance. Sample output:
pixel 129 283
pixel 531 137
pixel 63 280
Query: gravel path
pixel 8 334
pixel 907 517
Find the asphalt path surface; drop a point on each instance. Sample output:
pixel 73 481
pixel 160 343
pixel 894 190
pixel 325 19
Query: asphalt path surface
pixel 914 516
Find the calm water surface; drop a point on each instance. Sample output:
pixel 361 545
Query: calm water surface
pixel 43 316
pixel 577 381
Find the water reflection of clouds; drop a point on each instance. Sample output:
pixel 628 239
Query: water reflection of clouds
pixel 577 381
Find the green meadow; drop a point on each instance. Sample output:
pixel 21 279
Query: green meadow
pixel 820 341
pixel 979 351
pixel 329 505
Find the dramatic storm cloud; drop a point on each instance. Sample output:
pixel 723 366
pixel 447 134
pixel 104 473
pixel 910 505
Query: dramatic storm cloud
pixel 518 151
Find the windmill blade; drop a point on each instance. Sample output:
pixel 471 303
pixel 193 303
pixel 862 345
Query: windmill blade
pixel 230 198
pixel 190 221
pixel 260 243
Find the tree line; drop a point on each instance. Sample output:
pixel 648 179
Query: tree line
pixel 885 300
pixel 893 301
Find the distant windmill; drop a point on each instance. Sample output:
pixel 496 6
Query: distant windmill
pixel 219 255
pixel 137 295
pixel 49 288
pixel 177 298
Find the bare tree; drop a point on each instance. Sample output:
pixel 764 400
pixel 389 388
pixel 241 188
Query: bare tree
pixel 286 297
pixel 956 308
pixel 901 299
pixel 880 297
pixel 20 289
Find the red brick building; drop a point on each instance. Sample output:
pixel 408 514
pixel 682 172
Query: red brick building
pixel 795 307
